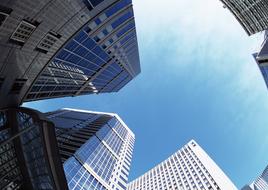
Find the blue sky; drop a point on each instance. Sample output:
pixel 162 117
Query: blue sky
pixel 198 81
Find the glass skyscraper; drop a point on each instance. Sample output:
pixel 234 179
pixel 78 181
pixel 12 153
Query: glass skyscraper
pixel 262 58
pixel 64 48
pixel 95 148
pixel 251 14
pixel 261 183
pixel 190 168
pixel 64 149
pixel 29 158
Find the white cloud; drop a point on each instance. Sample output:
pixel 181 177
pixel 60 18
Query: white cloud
pixel 198 29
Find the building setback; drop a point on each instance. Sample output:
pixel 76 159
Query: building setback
pixel 252 15
pixel 58 48
pixel 95 148
pixel 261 183
pixel 190 168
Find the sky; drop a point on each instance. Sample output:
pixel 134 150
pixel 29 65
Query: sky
pixel 198 81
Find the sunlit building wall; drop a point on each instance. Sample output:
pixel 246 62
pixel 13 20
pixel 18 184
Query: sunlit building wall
pixel 95 148
pixel 190 168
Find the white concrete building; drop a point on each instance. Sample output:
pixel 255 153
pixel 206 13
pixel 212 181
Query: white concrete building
pixel 190 168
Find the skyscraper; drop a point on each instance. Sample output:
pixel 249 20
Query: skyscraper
pixel 29 158
pixel 57 48
pixel 190 168
pixel 96 148
pixel 76 149
pixel 252 15
pixel 262 58
pixel 261 183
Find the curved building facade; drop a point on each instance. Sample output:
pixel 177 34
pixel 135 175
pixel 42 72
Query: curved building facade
pixel 58 48
pixel 252 15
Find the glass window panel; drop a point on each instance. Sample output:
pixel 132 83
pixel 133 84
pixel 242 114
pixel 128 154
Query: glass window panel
pixel 122 19
pixel 118 6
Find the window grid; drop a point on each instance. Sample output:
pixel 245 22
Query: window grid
pixel 182 170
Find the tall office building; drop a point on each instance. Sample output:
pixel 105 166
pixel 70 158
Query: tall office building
pixel 64 149
pixel 96 148
pixel 190 168
pixel 58 48
pixel 252 15
pixel 261 183
pixel 29 158
pixel 262 58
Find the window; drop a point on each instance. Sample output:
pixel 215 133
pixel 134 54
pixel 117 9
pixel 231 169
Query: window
pixel 103 17
pixel 17 86
pixel 4 13
pixel 104 46
pixel 95 2
pixel 118 6
pixel 96 38
pixel 3 17
pixel 23 32
pixel 122 19
pixel 88 4
pixel 105 32
pixel 1 81
pixel 48 41
pixel 92 25
pixel 121 185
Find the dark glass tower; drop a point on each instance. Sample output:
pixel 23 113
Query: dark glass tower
pixel 76 149
pixel 28 156
pixel 251 14
pixel 64 48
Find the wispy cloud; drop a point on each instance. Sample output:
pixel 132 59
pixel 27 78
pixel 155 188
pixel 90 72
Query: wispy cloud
pixel 199 29
pixel 205 41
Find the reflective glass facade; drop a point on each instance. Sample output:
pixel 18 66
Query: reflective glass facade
pixel 262 58
pixel 96 148
pixel 10 173
pixel 101 57
pixel 261 183
pixel 252 15
pixel 264 71
pixel 190 168
pixel 24 162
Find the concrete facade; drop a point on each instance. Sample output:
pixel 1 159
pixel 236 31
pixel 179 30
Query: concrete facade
pixel 190 168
